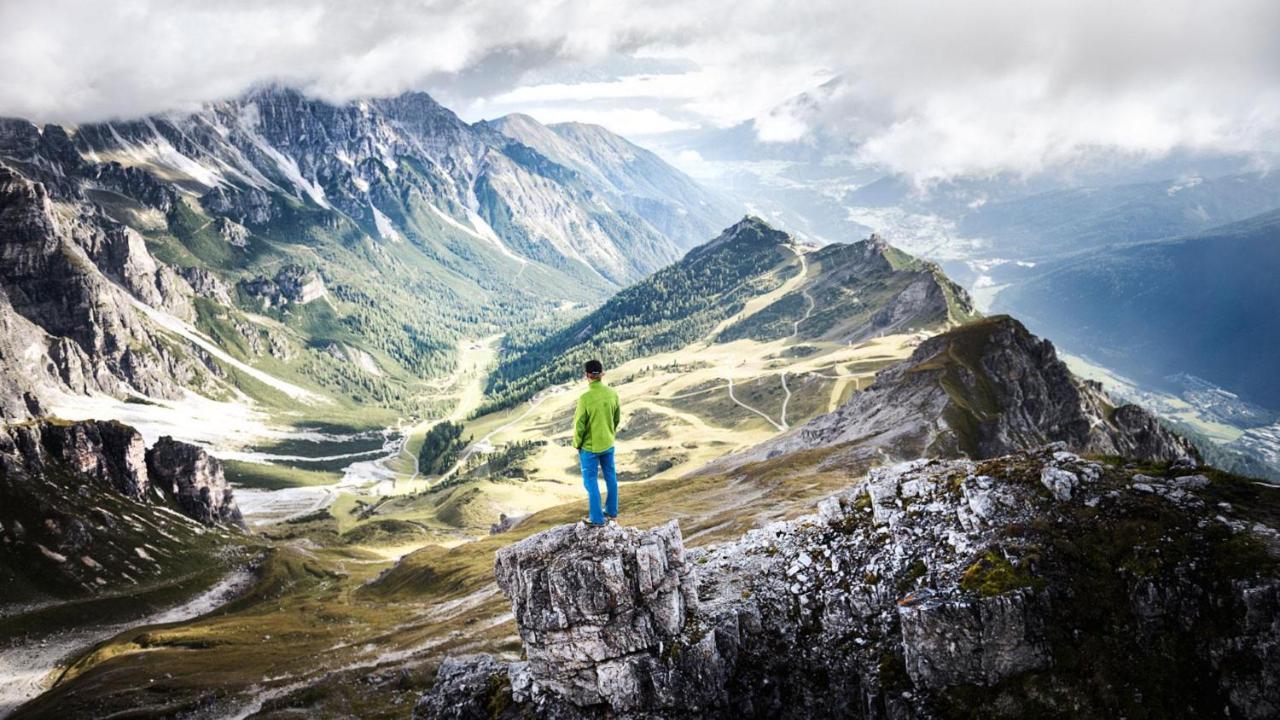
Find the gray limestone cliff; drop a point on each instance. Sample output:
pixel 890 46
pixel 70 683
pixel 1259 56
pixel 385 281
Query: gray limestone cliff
pixel 71 282
pixel 93 456
pixel 195 480
pixel 930 589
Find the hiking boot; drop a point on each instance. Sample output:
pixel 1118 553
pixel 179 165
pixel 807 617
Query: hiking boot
pixel 587 521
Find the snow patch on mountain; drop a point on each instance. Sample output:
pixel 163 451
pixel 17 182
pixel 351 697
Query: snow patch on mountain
pixel 386 230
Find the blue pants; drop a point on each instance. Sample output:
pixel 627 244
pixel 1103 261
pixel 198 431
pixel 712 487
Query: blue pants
pixel 592 464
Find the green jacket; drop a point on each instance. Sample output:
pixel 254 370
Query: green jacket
pixel 597 418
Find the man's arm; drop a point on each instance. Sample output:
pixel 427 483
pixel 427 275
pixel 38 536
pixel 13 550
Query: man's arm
pixel 617 414
pixel 579 425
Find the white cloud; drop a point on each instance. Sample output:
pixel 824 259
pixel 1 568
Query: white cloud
pixel 626 122
pixel 930 88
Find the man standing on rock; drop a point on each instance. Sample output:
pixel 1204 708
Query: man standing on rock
pixel 595 423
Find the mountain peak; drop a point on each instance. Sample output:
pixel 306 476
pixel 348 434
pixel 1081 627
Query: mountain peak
pixel 751 231
pixel 515 117
pixel 990 387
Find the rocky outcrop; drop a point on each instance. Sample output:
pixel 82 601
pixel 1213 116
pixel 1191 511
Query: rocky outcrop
pixel 981 390
pixel 25 363
pixel 85 509
pixel 135 183
pixel 122 255
pixel 110 456
pixel 972 641
pixel 250 206
pixel 195 480
pixel 593 604
pixel 232 232
pixel 929 589
pixel 292 284
pixel 207 285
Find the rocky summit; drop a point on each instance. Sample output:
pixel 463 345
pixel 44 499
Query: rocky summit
pixel 983 389
pixel 1035 584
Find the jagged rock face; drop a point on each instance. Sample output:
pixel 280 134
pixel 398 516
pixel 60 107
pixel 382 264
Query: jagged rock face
pixel 465 689
pixel 79 514
pixel 980 390
pixel 24 360
pixel 69 273
pixel 135 183
pixel 592 604
pixel 250 206
pixel 234 233
pixel 206 284
pixel 195 479
pixel 111 454
pixel 930 589
pixel 292 284
pixel 972 642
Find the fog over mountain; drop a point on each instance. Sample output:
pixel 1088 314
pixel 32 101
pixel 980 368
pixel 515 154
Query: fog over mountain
pixel 930 89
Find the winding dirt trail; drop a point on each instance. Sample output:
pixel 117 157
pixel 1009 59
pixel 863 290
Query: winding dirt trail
pixel 734 398
pixel 794 283
pixel 474 447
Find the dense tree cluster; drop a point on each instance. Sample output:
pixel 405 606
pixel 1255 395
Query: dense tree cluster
pixel 441 447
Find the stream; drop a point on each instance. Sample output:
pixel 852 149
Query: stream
pixel 367 473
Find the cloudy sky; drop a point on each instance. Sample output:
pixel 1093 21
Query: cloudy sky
pixel 932 89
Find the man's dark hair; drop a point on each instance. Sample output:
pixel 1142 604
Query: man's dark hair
pixel 594 367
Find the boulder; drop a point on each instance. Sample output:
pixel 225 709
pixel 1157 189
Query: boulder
pixel 195 480
pixel 594 605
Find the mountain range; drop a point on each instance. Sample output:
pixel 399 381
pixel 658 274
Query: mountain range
pixel 854 494
pixel 344 248
pixel 1201 304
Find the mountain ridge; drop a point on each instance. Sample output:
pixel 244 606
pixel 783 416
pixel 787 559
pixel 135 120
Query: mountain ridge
pixel 198 214
pixel 712 283
pixel 982 389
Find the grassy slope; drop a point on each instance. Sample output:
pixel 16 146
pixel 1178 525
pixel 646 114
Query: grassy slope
pixel 435 284
pixel 106 576
pixel 848 285
pixel 675 306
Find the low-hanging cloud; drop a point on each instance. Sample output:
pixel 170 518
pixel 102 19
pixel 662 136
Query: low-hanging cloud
pixel 932 89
